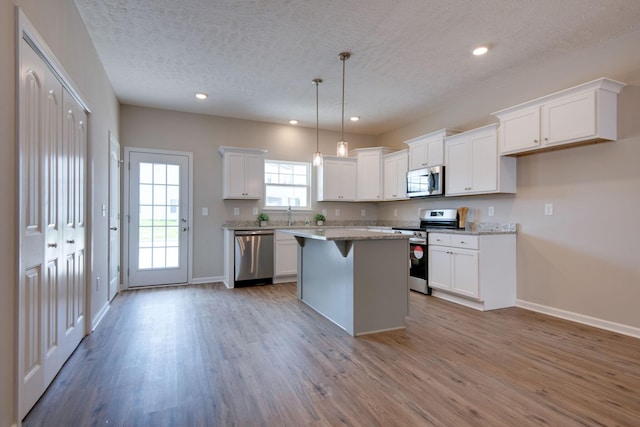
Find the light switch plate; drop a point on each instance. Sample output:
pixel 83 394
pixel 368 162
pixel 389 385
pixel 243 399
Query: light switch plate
pixel 395 212
pixel 324 212
pixel 337 212
pixel 255 211
pixel 205 211
pixel 492 211
pixel 548 208
pixel 236 211
pixel 363 212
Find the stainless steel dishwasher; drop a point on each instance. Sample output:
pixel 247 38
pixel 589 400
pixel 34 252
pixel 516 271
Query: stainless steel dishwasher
pixel 253 257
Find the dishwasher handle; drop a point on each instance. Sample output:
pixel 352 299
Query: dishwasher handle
pixel 253 232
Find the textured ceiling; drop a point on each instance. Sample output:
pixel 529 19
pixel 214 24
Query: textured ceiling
pixel 256 58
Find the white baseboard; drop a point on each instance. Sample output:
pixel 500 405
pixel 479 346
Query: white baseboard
pixel 580 318
pixel 100 316
pixel 201 280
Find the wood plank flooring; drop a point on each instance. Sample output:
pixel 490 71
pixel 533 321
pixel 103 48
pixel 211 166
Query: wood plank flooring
pixel 209 356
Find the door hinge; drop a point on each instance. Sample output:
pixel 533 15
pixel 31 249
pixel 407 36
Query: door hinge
pixel 127 272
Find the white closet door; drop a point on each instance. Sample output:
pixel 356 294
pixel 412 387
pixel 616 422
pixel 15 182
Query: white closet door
pixel 74 136
pixel 52 152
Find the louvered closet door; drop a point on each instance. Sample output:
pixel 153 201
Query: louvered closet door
pixel 51 198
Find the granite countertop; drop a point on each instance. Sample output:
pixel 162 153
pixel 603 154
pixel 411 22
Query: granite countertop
pixel 473 229
pixel 342 233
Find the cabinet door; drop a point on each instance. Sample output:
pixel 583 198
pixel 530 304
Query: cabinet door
pixel 435 152
pixel 464 272
pixel 439 265
pixel 234 176
pixel 417 155
pixel 253 176
pixel 348 178
pixel 390 178
pixel 520 131
pixel 369 177
pixel 569 119
pixel 286 255
pixel 338 180
pixel 457 171
pixel 484 163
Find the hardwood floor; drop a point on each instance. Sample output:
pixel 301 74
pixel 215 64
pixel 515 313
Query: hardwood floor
pixel 209 356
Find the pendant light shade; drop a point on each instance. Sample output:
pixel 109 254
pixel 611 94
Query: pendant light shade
pixel 343 146
pixel 317 156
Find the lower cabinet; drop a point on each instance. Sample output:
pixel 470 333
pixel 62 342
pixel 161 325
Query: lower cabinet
pixel 286 255
pixel 478 271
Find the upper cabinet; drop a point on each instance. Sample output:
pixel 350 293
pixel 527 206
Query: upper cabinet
pixel 336 179
pixel 473 165
pixel 395 166
pixel 369 176
pixel 242 173
pixel 428 150
pixel 584 113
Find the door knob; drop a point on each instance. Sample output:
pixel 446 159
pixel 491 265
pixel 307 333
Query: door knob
pixel 185 228
pixel 113 228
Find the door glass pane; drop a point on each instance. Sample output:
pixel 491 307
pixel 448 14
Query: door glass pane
pixel 159 225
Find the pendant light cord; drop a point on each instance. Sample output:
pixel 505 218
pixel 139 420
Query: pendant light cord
pixel 317 82
pixel 343 57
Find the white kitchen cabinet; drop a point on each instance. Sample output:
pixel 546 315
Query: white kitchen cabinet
pixel 369 173
pixel 242 173
pixel 336 179
pixel 584 113
pixel 395 166
pixel 286 255
pixel 477 271
pixel 428 150
pixel 473 165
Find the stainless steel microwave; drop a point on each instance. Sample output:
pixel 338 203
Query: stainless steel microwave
pixel 425 182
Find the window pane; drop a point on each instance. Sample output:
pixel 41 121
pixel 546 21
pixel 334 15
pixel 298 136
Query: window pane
pixel 146 194
pixel 159 258
pixel 270 167
pixel 159 173
pixel 173 257
pixel 144 258
pixel 159 195
pixel 146 173
pixel 173 174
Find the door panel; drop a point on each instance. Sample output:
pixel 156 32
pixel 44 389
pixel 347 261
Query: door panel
pixel 158 218
pixel 114 217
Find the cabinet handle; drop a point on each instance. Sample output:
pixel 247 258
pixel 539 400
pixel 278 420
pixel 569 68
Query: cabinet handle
pixel 546 139
pixel 71 242
pixel 535 140
pixel 52 245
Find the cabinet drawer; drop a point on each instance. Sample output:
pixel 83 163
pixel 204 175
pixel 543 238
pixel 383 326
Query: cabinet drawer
pixel 440 239
pixel 464 241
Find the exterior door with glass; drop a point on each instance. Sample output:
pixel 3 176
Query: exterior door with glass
pixel 158 218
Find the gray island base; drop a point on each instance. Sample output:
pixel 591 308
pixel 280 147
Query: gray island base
pixel 358 279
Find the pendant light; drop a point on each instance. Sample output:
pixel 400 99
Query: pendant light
pixel 317 156
pixel 343 146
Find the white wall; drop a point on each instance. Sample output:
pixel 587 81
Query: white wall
pixel 202 135
pixel 59 23
pixel 584 258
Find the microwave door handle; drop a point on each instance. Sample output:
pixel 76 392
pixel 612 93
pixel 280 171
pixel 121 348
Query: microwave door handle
pixel 432 183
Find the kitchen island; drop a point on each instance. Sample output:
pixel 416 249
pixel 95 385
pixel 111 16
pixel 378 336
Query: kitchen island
pixel 357 278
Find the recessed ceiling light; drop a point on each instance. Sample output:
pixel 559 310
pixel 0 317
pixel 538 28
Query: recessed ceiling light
pixel 355 118
pixel 201 95
pixel 481 50
pixel 293 122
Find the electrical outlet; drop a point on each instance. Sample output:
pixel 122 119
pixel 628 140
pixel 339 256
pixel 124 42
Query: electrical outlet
pixel 492 211
pixel 337 212
pixel 255 211
pixel 548 208
pixel 363 212
pixel 395 212
pixel 205 211
pixel 236 211
pixel 324 212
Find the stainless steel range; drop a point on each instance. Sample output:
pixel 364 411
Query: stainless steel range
pixel 430 219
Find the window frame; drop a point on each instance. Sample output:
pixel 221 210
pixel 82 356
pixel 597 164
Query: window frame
pixel 308 166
